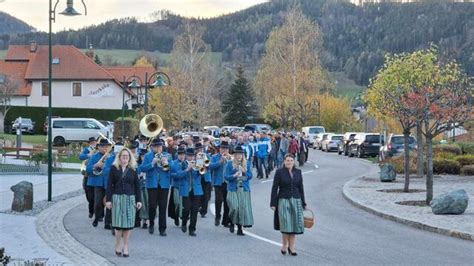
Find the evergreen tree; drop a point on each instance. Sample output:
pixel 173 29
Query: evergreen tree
pixel 97 60
pixel 239 105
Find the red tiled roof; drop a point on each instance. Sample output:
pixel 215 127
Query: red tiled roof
pixel 18 52
pixel 15 72
pixel 119 72
pixel 73 65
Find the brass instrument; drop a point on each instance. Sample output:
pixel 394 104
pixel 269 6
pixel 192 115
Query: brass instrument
pixel 84 163
pixel 99 170
pixel 202 162
pixel 159 157
pixel 151 126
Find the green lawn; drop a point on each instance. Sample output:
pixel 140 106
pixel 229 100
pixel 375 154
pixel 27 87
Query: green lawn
pixel 72 159
pixel 346 87
pixel 32 139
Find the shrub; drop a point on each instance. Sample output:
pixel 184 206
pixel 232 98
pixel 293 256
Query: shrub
pixel 131 126
pixel 467 159
pixel 398 163
pixel 450 148
pixel 444 155
pixel 446 166
pixel 467 170
pixel 466 147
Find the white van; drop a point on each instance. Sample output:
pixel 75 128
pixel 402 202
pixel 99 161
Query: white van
pixel 67 130
pixel 311 132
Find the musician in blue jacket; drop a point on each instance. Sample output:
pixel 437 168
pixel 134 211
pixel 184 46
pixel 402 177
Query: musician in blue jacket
pixel 190 190
pixel 96 179
pixel 156 165
pixel 105 176
pixel 175 204
pixel 205 181
pixel 217 167
pixel 263 149
pixel 85 155
pixel 238 174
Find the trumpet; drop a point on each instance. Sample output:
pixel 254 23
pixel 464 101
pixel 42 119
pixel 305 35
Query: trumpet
pixel 159 157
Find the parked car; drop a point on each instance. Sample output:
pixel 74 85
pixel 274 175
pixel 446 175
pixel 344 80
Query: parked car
pixel 109 125
pixel 229 129
pixel 27 125
pixel 345 143
pixel 311 132
pixel 365 144
pixel 67 130
pixel 332 142
pixel 45 124
pixel 257 128
pixel 317 139
pixel 395 146
pixel 324 137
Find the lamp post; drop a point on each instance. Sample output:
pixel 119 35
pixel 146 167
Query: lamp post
pixel 135 83
pixel 157 79
pixel 69 11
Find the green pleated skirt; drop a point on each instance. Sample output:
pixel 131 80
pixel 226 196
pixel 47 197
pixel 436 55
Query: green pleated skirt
pixel 240 207
pixel 290 216
pixel 143 212
pixel 123 211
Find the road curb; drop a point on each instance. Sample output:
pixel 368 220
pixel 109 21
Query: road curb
pixel 50 227
pixel 452 233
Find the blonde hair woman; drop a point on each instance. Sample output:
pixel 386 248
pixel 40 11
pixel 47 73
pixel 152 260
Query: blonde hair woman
pixel 238 174
pixel 123 196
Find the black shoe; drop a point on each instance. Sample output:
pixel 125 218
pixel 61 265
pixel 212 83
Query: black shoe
pixel 226 225
pixel 126 255
pixel 151 230
pixel 292 253
pixel 145 226
pixel 191 233
pixel 91 215
pixel 95 223
pixel 163 233
pixel 217 221
pixel 183 228
pixel 231 228
pixel 283 252
pixel 266 176
pixel 113 232
pixel 101 219
pixel 176 222
pixel 107 227
pixel 118 253
pixel 240 232
pixel 203 215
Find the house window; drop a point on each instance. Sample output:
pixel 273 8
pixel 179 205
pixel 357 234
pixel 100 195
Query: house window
pixel 44 89
pixel 76 89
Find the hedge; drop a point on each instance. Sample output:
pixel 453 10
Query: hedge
pixel 467 159
pixel 451 148
pixel 38 114
pixel 467 170
pixel 466 147
pixel 131 127
pixel 446 166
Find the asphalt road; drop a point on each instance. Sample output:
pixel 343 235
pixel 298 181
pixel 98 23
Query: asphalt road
pixel 342 234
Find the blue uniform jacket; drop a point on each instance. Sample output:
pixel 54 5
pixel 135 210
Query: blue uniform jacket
pixel 155 173
pixel 232 180
pixel 176 166
pixel 217 170
pixel 263 148
pixel 94 180
pixel 107 164
pixel 184 178
pixel 84 154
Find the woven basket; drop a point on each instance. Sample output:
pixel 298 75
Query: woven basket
pixel 309 220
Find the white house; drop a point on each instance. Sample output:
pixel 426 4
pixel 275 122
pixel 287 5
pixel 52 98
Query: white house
pixel 77 81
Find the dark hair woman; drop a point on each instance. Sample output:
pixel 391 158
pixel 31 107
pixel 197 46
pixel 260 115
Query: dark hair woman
pixel 123 196
pixel 288 202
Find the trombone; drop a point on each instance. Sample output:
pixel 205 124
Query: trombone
pixel 99 170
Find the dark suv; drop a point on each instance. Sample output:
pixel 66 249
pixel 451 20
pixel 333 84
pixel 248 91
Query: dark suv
pixel 27 125
pixel 365 144
pixel 395 146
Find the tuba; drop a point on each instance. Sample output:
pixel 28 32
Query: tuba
pixel 151 126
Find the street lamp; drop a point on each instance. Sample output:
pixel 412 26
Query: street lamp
pixel 69 11
pixel 134 83
pixel 160 79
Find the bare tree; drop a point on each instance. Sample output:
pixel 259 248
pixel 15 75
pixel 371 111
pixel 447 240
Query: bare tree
pixel 7 89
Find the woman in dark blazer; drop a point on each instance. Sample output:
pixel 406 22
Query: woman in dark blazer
pixel 123 196
pixel 288 202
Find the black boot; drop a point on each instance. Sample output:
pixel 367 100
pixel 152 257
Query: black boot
pixel 231 228
pixel 183 228
pixel 217 221
pixel 239 230
pixel 151 229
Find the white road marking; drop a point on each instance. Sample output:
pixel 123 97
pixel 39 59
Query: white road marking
pixel 316 166
pixel 266 181
pixel 308 172
pixel 213 211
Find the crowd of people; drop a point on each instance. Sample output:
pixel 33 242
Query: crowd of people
pixel 130 184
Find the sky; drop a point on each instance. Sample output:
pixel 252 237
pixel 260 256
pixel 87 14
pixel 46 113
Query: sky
pixel 35 12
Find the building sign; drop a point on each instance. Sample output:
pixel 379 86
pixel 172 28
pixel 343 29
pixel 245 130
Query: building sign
pixel 103 91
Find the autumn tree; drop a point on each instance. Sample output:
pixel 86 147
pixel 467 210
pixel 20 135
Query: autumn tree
pixel 142 61
pixel 290 72
pixel 172 105
pixel 192 72
pixel 7 89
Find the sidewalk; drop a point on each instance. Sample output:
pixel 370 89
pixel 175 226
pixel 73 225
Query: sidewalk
pixel 363 192
pixel 10 160
pixel 19 231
